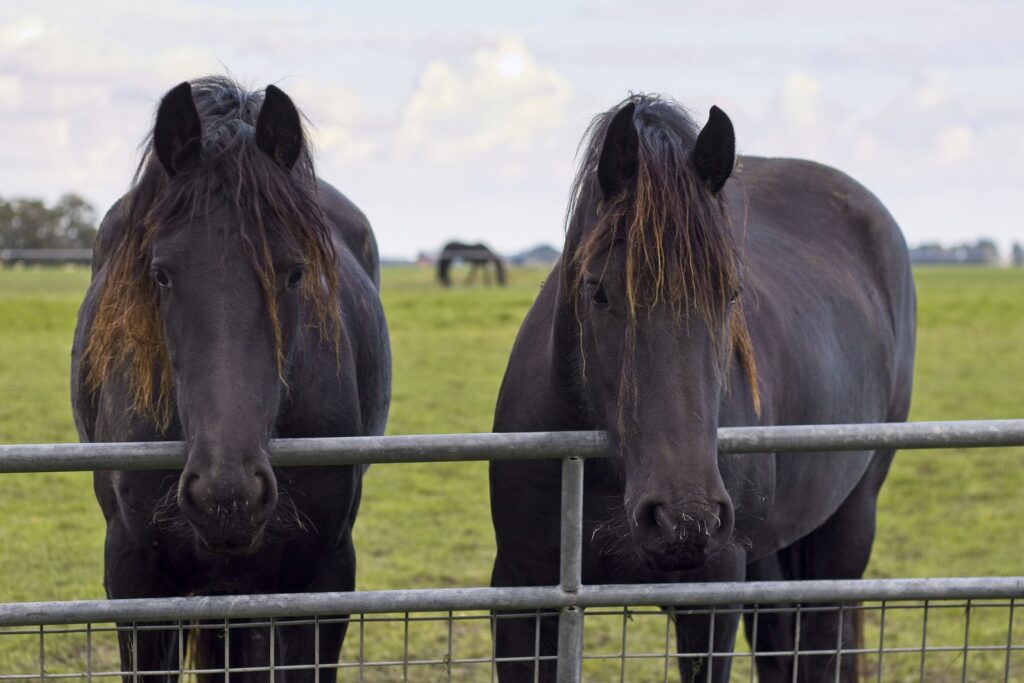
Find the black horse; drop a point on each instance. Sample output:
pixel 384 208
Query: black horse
pixel 234 299
pixel 478 256
pixel 690 297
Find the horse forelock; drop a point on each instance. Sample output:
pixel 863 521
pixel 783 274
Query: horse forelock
pixel 269 205
pixel 678 244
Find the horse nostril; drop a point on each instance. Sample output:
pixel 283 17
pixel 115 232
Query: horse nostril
pixel 186 494
pixel 716 514
pixel 654 520
pixel 265 490
pixel 663 519
pixel 260 488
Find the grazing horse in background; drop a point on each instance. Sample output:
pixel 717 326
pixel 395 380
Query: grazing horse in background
pixel 690 297
pixel 477 255
pixel 234 299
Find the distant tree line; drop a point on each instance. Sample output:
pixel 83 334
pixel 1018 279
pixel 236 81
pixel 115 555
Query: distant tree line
pixel 29 223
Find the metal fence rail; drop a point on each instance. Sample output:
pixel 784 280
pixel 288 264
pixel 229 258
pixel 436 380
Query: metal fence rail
pixel 956 639
pixel 530 598
pixel 77 457
pixel 570 598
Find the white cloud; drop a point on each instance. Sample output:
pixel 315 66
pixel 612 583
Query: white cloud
pixel 800 100
pixel 502 99
pixel 455 131
pixel 51 133
pixel 18 32
pixel 338 118
pixel 867 146
pixel 954 144
pixel 933 91
pixel 10 93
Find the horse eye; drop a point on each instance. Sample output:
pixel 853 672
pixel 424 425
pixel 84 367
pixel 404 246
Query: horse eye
pixel 600 298
pixel 735 295
pixel 294 278
pixel 161 278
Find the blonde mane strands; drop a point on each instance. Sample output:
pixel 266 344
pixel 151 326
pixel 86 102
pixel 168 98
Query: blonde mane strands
pixel 268 204
pixel 679 245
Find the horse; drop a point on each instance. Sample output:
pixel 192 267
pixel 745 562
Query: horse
pixel 698 289
pixel 234 299
pixel 479 256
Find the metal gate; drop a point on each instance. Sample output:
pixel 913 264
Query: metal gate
pixel 910 642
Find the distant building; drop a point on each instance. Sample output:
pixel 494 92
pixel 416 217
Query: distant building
pixel 984 252
pixel 541 255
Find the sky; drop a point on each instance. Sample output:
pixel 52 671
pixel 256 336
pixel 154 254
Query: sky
pixel 461 120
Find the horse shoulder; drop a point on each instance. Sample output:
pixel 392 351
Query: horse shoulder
pixel 531 397
pixel 831 318
pixel 352 226
pixel 84 401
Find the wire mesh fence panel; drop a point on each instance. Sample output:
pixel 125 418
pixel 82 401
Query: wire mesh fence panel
pixel 965 629
pixel 937 640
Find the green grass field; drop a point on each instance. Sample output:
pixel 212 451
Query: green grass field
pixel 944 513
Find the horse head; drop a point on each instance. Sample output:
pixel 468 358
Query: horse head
pixel 654 274
pixel 230 263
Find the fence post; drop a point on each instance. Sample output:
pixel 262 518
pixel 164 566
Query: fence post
pixel 570 619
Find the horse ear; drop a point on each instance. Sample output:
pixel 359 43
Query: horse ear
pixel 178 134
pixel 617 167
pixel 714 154
pixel 279 128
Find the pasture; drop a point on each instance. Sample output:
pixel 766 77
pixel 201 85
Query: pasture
pixel 942 513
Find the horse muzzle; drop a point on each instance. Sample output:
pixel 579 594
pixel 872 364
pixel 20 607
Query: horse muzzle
pixel 228 506
pixel 229 537
pixel 680 537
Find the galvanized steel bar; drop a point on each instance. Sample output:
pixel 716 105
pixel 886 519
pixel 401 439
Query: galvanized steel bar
pixel 280 605
pixel 519 598
pixel 570 645
pixel 571 549
pixel 515 446
pixel 570 618
pixel 854 437
pixel 311 452
pixel 833 591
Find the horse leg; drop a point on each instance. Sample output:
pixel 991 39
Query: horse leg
pixel 770 631
pixel 298 644
pixel 701 632
pixel 246 647
pixel 144 650
pixel 523 636
pixel 839 549
pixel 132 570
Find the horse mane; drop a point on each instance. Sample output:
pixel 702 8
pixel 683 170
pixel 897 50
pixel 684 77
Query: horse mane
pixel 272 205
pixel 679 243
